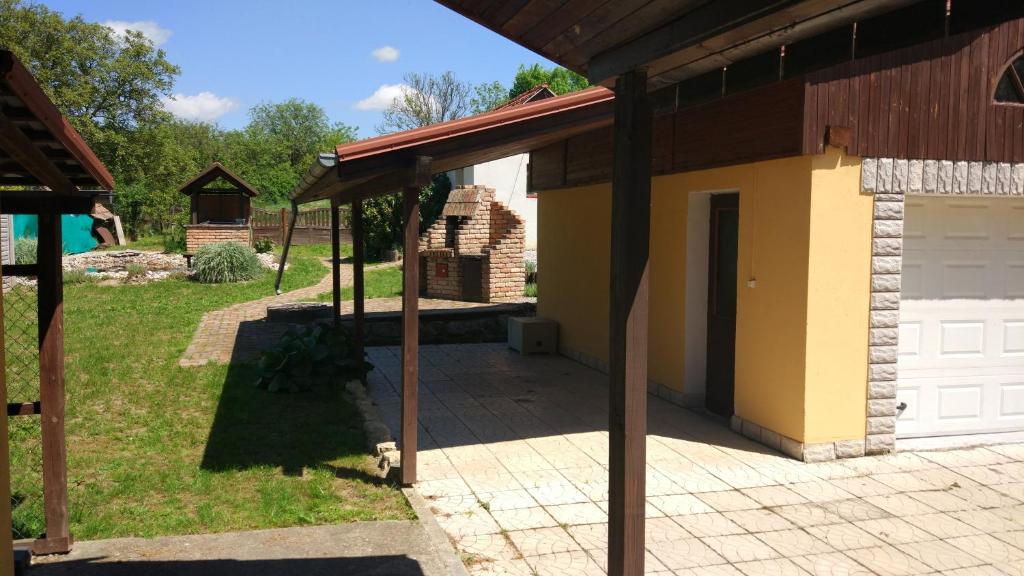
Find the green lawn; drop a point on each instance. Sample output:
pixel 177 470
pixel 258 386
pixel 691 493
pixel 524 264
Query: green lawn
pixel 378 283
pixel 157 449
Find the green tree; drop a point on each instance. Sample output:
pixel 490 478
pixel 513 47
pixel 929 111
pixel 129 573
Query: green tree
pixel 488 96
pixel 110 87
pixel 426 99
pixel 280 142
pixel 559 80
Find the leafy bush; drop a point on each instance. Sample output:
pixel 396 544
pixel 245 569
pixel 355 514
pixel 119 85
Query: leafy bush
pixel 263 245
pixel 530 290
pixel 308 356
pixel 26 250
pixel 226 262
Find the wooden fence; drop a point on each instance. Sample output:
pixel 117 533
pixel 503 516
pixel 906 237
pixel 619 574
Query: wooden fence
pixel 313 225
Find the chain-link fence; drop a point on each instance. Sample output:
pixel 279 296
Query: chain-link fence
pixel 21 350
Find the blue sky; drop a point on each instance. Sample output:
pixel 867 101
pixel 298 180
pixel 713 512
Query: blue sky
pixel 234 54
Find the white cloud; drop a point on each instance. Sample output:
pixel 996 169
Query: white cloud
pixel 382 97
pixel 386 54
pixel 204 106
pixel 157 34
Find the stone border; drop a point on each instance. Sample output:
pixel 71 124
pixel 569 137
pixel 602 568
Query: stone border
pixel 816 452
pixel 890 180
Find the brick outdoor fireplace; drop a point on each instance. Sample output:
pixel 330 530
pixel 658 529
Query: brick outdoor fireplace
pixel 474 252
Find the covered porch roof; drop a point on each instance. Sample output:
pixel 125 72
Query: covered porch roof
pixel 40 148
pixel 380 166
pixel 673 41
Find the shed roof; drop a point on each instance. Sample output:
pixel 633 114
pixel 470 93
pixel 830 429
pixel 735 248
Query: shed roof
pixel 213 172
pixel 538 92
pixel 462 202
pixel 38 146
pixel 379 166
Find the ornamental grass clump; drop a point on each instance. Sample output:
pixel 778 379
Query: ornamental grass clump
pixel 226 262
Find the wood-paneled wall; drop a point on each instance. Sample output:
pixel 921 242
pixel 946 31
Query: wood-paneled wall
pixel 755 125
pixel 932 101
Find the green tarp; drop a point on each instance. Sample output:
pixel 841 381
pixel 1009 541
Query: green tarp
pixel 76 231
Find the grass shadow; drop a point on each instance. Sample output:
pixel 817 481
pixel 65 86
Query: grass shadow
pixel 318 428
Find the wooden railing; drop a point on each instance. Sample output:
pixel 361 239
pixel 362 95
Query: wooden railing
pixel 313 225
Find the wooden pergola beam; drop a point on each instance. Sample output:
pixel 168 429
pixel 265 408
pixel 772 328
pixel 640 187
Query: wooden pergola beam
pixel 51 385
pixel 335 262
pixel 420 172
pixel 24 152
pixel 627 365
pixel 358 292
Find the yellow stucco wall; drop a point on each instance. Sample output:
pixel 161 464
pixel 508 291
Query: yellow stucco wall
pixel 806 390
pixel 838 299
pixel 574 226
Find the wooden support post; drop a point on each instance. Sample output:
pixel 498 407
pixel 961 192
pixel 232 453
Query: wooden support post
pixel 335 262
pixel 193 207
pixel 6 539
pixel 410 329
pixel 51 385
pixel 418 177
pixel 358 292
pixel 627 374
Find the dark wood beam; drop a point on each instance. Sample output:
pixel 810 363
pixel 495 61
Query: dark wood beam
pixel 20 148
pixel 627 365
pixel 420 172
pixel 702 23
pixel 6 544
pixel 51 381
pixel 35 201
pixel 358 292
pixel 335 262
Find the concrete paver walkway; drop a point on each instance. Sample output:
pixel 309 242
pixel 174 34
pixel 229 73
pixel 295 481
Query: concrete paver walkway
pixel 513 463
pixel 370 548
pixel 216 338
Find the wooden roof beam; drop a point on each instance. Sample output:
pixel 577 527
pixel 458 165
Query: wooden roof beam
pixel 700 24
pixel 23 151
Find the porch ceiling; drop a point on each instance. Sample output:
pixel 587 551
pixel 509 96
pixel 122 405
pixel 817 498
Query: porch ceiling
pixel 674 39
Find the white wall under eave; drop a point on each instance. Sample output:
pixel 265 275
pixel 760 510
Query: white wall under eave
pixel 508 178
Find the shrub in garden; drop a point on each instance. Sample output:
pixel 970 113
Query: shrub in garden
pixel 226 262
pixel 309 356
pixel 25 250
pixel 78 276
pixel 263 245
pixel 135 271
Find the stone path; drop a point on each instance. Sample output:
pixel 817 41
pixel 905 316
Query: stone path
pixel 240 332
pixel 371 548
pixel 513 462
pixel 216 338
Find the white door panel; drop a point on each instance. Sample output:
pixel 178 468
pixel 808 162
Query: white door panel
pixel 961 345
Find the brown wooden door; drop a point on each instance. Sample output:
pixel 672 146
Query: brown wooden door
pixel 723 252
pixel 472 268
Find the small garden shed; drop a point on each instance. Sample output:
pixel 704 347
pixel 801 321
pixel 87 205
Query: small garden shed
pixel 220 208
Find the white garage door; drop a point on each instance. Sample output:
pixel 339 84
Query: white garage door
pixel 961 343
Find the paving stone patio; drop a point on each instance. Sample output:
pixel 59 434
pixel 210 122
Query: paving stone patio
pixel 513 462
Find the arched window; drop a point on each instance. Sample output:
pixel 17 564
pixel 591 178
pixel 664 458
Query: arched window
pixel 1010 89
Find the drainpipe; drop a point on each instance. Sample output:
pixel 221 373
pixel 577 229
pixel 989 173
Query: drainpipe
pixel 284 251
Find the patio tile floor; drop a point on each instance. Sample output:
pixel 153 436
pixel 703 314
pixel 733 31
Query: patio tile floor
pixel 513 461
